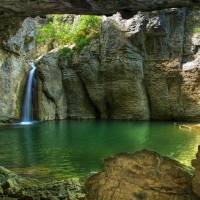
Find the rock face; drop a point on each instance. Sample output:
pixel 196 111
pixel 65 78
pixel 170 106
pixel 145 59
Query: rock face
pixel 10 183
pixel 51 101
pixel 57 91
pixel 10 8
pixel 13 69
pixel 196 179
pixel 142 175
pixel 113 76
pixel 143 68
pixel 15 186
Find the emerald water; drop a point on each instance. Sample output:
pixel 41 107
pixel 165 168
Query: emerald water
pixel 64 149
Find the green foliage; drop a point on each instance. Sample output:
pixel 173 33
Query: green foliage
pixel 84 29
pixel 65 53
pixel 197 30
pixel 78 33
pixel 46 33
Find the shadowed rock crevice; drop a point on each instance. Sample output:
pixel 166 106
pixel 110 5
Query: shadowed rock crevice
pixel 96 111
pixel 79 103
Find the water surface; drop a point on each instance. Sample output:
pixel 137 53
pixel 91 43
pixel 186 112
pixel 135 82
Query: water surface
pixel 64 149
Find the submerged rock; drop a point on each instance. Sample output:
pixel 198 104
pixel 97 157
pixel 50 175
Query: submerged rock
pixel 142 175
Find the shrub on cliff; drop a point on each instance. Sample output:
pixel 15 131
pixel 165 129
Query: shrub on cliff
pixel 77 32
pixel 65 53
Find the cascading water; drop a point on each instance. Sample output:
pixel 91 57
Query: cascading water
pixel 28 96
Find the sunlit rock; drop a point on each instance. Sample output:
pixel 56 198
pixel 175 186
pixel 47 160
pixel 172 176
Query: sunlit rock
pixel 136 69
pixel 142 175
pixel 142 68
pixel 13 50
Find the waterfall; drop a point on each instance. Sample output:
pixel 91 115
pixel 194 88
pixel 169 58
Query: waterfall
pixel 28 95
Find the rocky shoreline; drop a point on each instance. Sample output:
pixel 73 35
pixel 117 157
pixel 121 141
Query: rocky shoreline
pixel 17 187
pixel 141 175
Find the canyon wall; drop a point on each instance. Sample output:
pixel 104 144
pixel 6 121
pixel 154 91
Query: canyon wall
pixel 146 67
pixel 14 45
pixel 143 68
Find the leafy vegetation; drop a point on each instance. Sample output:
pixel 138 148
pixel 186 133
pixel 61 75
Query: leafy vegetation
pixel 62 32
pixel 197 30
pixel 65 53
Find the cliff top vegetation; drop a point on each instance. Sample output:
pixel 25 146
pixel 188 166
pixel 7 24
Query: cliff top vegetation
pixel 69 30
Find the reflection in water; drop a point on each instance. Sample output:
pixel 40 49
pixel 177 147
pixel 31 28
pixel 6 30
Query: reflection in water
pixel 75 148
pixel 27 145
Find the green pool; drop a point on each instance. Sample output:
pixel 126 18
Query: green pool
pixel 64 149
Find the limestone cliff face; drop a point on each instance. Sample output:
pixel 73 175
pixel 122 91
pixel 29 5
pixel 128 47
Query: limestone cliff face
pixel 112 71
pixel 60 92
pixel 13 51
pixel 143 68
pixel 51 100
pixel 172 46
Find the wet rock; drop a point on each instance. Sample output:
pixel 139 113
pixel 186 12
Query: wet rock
pixel 68 189
pixel 142 175
pixel 10 183
pixel 15 186
pixel 13 70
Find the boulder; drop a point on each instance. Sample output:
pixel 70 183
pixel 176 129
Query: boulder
pixel 142 175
